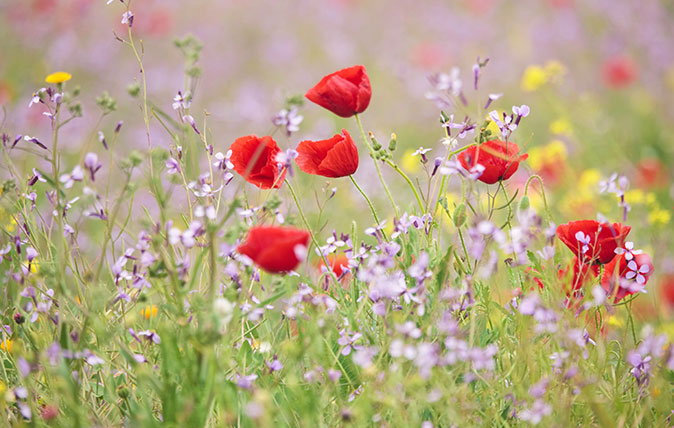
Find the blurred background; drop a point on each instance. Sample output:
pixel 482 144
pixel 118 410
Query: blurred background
pixel 598 76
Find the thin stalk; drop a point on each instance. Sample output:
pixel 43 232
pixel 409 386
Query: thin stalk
pixel 374 213
pixel 376 165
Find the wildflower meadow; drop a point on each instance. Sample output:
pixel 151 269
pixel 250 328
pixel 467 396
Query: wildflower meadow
pixel 336 213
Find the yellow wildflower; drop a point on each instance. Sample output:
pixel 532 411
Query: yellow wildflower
pixel 555 71
pixel 533 78
pixel 659 216
pixel 561 126
pixel 6 345
pixel 58 77
pixel 635 197
pixel 409 162
pixel 615 321
pixel 149 311
pixel 553 152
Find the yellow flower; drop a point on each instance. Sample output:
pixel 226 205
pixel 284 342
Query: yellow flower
pixel 409 162
pixel 555 71
pixel 34 266
pixel 6 345
pixel 533 78
pixel 659 216
pixel 615 321
pixel 58 77
pixel 561 126
pixel 589 179
pixel 149 311
pixel 493 127
pixel 635 197
pixel 553 152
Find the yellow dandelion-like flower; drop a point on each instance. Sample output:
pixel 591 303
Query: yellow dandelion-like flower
pixel 555 71
pixel 614 321
pixel 58 77
pixel 409 162
pixel 493 127
pixel 534 78
pixel 149 311
pixel 6 345
pixel 553 152
pixel 635 197
pixel 659 216
pixel 589 179
pixel 561 126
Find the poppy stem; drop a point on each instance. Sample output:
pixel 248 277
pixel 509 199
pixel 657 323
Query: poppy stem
pixel 328 266
pixel 407 179
pixel 376 165
pixel 545 201
pixel 374 213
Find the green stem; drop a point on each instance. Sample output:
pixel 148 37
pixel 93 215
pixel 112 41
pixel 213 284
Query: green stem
pixel 409 182
pixel 545 201
pixel 311 233
pixel 374 213
pixel 376 165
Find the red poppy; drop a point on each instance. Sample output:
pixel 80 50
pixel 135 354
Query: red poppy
pixel 334 157
pixel 345 92
pixel 582 272
pixel 650 173
pixel 667 290
pixel 499 159
pixel 275 249
pixel 339 263
pixel 254 159
pixel 623 277
pixel 591 241
pixel 533 274
pixel 619 72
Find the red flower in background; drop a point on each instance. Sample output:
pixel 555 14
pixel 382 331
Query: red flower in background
pixel 626 274
pixel 591 241
pixel 667 290
pixel 499 159
pixel 275 249
pixel 619 72
pixel 345 92
pixel 339 263
pixel 254 159
pixel 651 173
pixel 334 157
pixel 582 272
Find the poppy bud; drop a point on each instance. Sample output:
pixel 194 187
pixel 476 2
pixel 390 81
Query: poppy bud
pixel 19 318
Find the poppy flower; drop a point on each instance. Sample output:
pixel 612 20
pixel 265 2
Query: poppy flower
pixel 582 272
pixel 345 92
pixel 338 263
pixel 254 159
pixel 650 173
pixel 667 290
pixel 499 159
pixel 591 241
pixel 626 275
pixel 275 249
pixel 334 157
pixel 619 72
